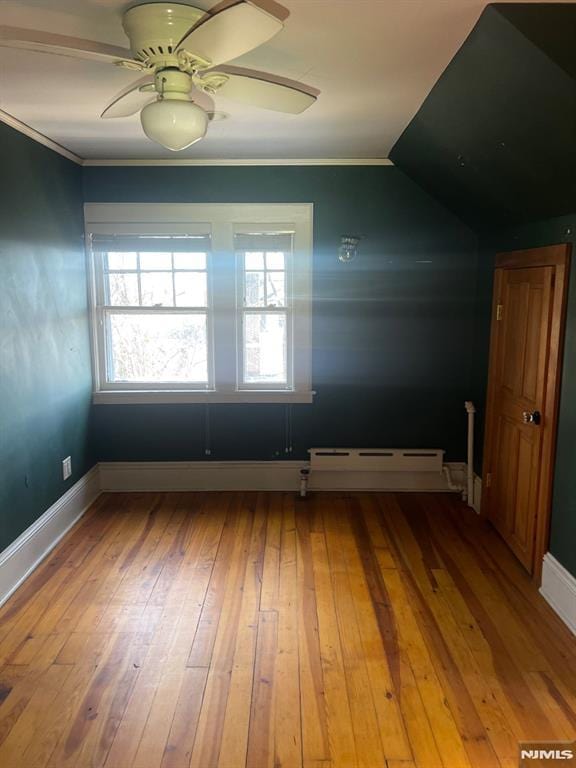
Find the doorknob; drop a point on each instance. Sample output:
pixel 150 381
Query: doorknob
pixel 531 417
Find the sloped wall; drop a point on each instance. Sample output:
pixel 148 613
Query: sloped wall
pixel 495 141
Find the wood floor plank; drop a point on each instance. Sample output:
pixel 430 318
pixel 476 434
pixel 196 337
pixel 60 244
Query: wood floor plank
pixel 79 743
pixel 393 733
pixel 206 750
pixel 339 716
pixel 57 718
pixel 147 718
pixel 260 752
pixel 369 748
pixel 473 657
pixel 150 709
pixel 245 662
pixel 445 648
pixel 262 630
pixel 314 718
pixel 271 567
pixel 287 729
pixel 178 749
pixel 403 684
pixel 20 717
pixel 205 635
pixel 446 735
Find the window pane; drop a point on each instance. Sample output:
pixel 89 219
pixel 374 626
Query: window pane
pixel 253 260
pixel 265 348
pixel 254 291
pixel 275 260
pixel 189 261
pixel 155 261
pixel 121 260
pixel 157 289
pixel 275 289
pixel 191 289
pixel 158 348
pixel 123 289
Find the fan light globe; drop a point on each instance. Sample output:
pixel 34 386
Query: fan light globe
pixel 174 124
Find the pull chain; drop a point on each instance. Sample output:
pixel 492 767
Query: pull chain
pixel 288 429
pixel 207 448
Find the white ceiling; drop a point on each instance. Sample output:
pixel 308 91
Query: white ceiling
pixel 374 62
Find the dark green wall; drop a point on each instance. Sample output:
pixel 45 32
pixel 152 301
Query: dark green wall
pixel 548 232
pixel 495 142
pixel 392 330
pixel 45 380
pixel 550 26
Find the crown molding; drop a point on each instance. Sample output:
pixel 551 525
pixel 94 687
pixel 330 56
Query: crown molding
pixel 32 133
pixel 241 162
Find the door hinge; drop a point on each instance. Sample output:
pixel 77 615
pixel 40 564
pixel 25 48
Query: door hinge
pixel 499 311
pixel 488 479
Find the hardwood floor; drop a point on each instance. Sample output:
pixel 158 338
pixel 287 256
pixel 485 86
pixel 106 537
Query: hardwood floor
pixel 261 630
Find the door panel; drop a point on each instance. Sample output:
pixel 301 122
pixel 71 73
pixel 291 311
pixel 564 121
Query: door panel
pixel 531 367
pixel 525 509
pixel 522 338
pixel 530 294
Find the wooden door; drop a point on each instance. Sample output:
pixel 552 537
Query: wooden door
pixel 527 325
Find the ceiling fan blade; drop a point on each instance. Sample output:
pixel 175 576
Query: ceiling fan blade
pixel 130 102
pixel 63 45
pixel 264 93
pixel 230 33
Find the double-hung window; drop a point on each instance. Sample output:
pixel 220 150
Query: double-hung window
pixel 200 302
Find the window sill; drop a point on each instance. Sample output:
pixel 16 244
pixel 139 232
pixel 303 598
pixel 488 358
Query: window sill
pixel 139 397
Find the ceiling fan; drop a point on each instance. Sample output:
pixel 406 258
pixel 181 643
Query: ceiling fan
pixel 179 47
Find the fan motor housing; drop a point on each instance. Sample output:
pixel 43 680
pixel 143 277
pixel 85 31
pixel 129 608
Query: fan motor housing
pixel 155 29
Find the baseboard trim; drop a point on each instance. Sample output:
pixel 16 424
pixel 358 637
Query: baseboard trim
pixel 559 590
pixel 200 475
pixel 21 557
pixel 256 476
pixel 26 552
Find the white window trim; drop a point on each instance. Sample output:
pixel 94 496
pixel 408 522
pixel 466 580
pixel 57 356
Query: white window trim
pixel 191 218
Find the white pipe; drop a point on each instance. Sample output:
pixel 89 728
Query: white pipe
pixel 470 410
pixel 449 479
pixel 304 475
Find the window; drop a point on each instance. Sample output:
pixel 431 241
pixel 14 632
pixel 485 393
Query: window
pixel 200 302
pixel 265 325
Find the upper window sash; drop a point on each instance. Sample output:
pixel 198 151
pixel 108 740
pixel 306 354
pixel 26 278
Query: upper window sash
pixel 139 279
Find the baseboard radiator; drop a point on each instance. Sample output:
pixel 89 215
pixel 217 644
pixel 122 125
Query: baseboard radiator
pixel 386 469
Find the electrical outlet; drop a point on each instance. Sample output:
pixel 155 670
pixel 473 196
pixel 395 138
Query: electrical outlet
pixel 66 467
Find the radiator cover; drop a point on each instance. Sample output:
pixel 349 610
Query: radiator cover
pixel 376 459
